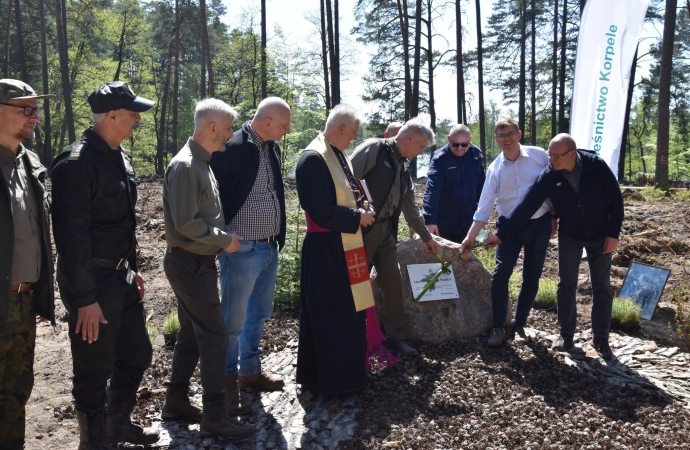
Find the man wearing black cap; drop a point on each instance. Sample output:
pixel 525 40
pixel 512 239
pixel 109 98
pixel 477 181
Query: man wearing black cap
pixel 26 269
pixel 94 194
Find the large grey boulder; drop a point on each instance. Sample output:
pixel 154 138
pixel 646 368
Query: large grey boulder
pixel 441 320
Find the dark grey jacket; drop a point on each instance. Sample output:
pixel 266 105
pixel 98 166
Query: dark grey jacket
pixel 43 289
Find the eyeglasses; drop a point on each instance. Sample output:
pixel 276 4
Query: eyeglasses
pixel 508 135
pixel 559 156
pixel 28 110
pixel 459 144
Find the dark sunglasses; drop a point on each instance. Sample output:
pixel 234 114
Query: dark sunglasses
pixel 459 144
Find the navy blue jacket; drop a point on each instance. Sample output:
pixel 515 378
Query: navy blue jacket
pixel 235 170
pixel 595 211
pixel 453 187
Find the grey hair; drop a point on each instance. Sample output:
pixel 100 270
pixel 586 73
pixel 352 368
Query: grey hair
pixel 415 125
pixel 98 117
pixel 212 108
pixel 342 114
pixel 270 106
pixel 393 126
pixel 459 128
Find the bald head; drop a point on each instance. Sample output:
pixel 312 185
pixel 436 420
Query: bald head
pixel 392 129
pixel 272 119
pixel 563 139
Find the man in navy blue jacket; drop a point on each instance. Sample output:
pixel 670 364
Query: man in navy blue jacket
pixel 589 206
pixel 453 186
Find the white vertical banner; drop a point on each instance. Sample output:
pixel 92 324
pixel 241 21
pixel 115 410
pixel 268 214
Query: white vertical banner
pixel 609 32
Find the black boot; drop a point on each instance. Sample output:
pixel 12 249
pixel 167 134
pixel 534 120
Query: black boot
pixel 120 427
pixel 92 431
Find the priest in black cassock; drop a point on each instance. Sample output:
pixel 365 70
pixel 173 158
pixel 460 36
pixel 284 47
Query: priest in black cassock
pixel 335 286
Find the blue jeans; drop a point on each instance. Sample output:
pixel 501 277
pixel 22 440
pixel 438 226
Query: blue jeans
pixel 569 256
pixel 534 237
pixel 247 285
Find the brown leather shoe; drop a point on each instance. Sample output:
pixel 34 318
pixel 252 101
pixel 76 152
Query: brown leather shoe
pixel 230 429
pixel 237 405
pixel 178 407
pixel 260 382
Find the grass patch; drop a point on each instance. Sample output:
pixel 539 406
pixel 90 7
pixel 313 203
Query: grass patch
pixel 172 323
pixel 514 285
pixel 626 311
pixel 683 196
pixel 651 193
pixel 152 331
pixel 680 295
pixel 546 296
pixel 486 256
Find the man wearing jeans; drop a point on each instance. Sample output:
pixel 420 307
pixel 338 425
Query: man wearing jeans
pixel 589 206
pixel 251 191
pixel 508 180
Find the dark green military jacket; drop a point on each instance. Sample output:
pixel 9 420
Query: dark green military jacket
pixel 43 289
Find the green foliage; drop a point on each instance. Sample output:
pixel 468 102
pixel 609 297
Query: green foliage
pixel 287 293
pixel 514 285
pixel 486 256
pixel 152 331
pixel 547 291
pixel 625 311
pixel 680 295
pixel 172 323
pixel 683 196
pixel 651 193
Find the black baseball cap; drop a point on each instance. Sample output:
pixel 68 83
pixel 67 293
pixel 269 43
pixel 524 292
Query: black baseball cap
pixel 117 95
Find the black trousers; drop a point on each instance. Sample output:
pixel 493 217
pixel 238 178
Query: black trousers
pixel 123 350
pixel 203 335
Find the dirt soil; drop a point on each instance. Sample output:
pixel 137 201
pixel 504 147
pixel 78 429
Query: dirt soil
pixel 457 395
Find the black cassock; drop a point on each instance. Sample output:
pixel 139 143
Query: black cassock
pixel 332 335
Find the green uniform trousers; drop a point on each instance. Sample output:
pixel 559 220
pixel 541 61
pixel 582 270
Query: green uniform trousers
pixel 381 250
pixel 17 343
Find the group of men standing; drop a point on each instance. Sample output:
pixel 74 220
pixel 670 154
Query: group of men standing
pixel 223 198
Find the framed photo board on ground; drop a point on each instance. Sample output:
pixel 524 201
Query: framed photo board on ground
pixel 644 284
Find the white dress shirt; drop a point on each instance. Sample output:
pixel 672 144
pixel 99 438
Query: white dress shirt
pixel 508 182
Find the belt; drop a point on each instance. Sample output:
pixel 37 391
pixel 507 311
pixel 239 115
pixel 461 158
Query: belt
pixel 268 239
pixel 117 264
pixel 182 250
pixel 21 287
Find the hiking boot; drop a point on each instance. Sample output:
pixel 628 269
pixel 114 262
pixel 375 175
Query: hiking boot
pixel 237 405
pixel 260 382
pixel 92 431
pixel 497 337
pixel 178 407
pixel 601 345
pixel 119 424
pixel 563 344
pixel 230 429
pixel 402 348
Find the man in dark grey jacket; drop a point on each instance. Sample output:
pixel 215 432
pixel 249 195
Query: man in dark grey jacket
pixel 26 267
pixel 589 207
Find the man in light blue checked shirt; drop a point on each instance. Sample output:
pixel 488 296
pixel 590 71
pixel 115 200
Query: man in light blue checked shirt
pixel 508 180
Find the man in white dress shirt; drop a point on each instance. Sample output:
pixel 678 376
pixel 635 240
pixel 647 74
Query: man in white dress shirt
pixel 508 179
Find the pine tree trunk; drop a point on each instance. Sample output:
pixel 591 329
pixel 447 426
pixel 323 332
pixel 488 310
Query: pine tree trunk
pixel 562 125
pixel 626 123
pixel 335 95
pixel 47 154
pixel 162 129
pixel 335 64
pixel 176 77
pixel 554 71
pixel 460 79
pixel 20 41
pixel 533 81
pixel 405 29
pixel 324 57
pixel 480 81
pixel 430 69
pixel 523 76
pixel 414 110
pixel 264 69
pixel 121 48
pixel 64 68
pixel 204 43
pixel 8 27
pixel 663 121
